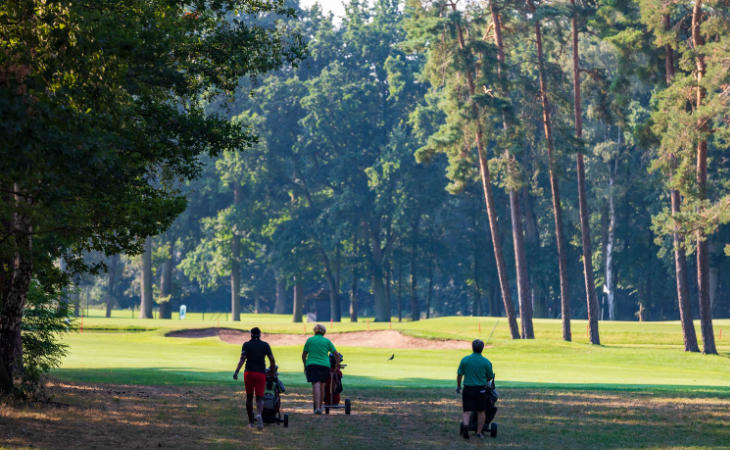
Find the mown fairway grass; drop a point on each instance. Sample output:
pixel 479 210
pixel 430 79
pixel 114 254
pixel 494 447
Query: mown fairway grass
pixel 639 389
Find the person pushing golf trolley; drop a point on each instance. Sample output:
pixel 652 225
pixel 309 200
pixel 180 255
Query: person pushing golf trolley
pixel 254 354
pixel 479 395
pixel 316 359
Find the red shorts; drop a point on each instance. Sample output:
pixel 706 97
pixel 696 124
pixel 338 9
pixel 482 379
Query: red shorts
pixel 255 382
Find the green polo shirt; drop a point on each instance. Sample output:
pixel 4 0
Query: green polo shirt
pixel 476 369
pixel 318 349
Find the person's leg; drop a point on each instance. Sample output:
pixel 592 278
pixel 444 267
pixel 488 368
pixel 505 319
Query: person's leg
pixel 248 384
pixel 322 390
pixel 259 388
pixel 249 406
pixel 467 416
pixel 480 421
pixel 259 405
pixel 316 393
pixel 467 400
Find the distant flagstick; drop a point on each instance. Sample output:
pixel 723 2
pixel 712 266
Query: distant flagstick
pixel 490 334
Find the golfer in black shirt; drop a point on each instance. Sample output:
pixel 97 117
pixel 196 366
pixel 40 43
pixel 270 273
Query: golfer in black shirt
pixel 253 353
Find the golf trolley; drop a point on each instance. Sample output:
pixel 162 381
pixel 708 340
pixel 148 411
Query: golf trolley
pixel 491 411
pixel 272 400
pixel 333 388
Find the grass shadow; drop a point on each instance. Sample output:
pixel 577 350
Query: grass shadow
pixel 180 376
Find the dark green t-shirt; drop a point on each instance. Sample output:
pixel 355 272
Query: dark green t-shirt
pixel 318 349
pixel 476 369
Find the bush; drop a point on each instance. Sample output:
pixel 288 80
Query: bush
pixel 46 316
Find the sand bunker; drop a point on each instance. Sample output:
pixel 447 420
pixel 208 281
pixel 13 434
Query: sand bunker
pixel 377 339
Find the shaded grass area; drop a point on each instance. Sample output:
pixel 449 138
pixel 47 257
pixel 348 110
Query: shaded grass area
pixel 151 359
pixel 103 415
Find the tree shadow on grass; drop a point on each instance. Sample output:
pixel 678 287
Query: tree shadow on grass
pixel 204 416
pixel 180 376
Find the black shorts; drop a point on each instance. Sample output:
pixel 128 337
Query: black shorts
pixel 317 374
pixel 475 398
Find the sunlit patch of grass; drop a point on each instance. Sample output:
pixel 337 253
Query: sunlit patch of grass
pixel 629 333
pixel 149 358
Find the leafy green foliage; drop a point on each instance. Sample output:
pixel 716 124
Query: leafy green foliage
pixel 45 320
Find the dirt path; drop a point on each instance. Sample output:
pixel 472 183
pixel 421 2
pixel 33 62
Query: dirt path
pixel 377 339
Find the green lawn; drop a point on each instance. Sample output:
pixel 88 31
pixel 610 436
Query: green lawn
pixel 629 359
pixel 122 388
pixel 466 328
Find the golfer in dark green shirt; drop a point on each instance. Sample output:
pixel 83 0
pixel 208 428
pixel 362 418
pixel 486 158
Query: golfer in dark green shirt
pixel 476 371
pixel 316 359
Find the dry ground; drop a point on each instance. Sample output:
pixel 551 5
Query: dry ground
pixel 108 416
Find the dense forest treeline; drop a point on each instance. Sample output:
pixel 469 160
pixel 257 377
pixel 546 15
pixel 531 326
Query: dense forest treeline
pixel 330 207
pixel 520 158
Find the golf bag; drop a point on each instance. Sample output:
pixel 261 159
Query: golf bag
pixel 333 387
pixel 272 400
pixel 490 412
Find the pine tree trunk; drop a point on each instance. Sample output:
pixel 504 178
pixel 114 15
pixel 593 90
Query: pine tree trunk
pixel 353 296
pixel 703 267
pixel 382 314
pixel 590 285
pixel 298 300
pixel 400 291
pixel 236 263
pixel 146 300
pixel 430 290
pixel 489 201
pixel 554 189
pixel 518 241
pixel 610 283
pixel 353 285
pixel 331 284
pixel 680 269
pixel 388 296
pixel 338 268
pixel 14 298
pixel 680 259
pixel 714 276
pixel 415 308
pixel 475 310
pixel 166 285
pixel 76 298
pixel 532 246
pixel 280 302
pixel 111 289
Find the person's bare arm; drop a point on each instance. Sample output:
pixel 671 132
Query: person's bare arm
pixel 272 363
pixel 240 364
pixel 304 358
pixel 458 384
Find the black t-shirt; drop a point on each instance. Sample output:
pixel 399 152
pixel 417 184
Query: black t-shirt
pixel 256 352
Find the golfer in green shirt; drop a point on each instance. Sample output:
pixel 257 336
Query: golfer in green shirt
pixel 316 359
pixel 476 371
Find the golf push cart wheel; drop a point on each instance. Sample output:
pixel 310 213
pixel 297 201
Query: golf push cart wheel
pixel 348 406
pixel 493 430
pixel 286 421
